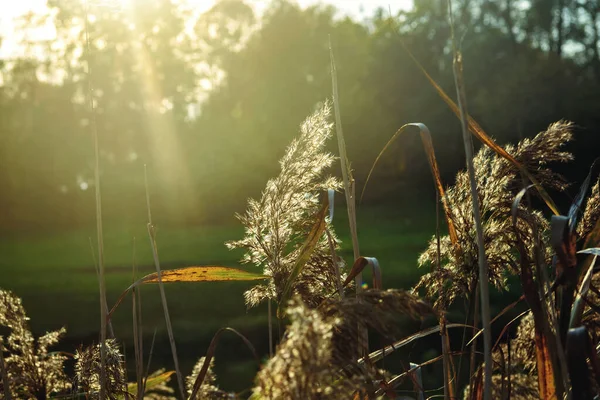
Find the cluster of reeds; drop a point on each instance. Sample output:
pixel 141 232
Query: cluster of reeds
pixel 493 232
pixel 553 353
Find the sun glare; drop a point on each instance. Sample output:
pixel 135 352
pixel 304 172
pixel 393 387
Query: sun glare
pixel 200 5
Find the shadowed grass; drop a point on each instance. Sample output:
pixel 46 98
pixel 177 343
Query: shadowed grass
pixel 60 267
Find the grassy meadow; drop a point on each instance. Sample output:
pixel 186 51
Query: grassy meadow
pixel 55 276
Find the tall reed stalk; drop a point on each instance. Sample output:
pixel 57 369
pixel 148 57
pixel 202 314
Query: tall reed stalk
pixel 163 297
pixel 349 191
pixel 98 198
pixel 483 268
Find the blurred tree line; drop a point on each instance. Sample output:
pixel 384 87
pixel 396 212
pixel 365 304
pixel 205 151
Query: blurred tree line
pixel 209 101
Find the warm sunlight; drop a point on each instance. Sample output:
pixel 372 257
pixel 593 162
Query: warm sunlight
pixel 207 155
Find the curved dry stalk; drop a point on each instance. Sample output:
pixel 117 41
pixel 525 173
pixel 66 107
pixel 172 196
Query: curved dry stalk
pixel 359 265
pixel 433 166
pixel 210 354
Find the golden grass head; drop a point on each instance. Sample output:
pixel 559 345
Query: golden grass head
pixel 277 223
pixel 498 182
pixel 87 370
pixel 32 371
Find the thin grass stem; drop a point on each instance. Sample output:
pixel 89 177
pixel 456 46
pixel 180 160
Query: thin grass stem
pixel 98 200
pixel 483 267
pixel 163 297
pixel 111 331
pixel 349 191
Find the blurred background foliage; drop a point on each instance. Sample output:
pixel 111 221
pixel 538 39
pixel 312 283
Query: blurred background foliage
pixel 210 100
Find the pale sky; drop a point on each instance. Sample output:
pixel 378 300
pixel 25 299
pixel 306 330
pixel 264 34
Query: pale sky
pixel 9 9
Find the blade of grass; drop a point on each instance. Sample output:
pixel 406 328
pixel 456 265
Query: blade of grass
pixel 98 201
pixel 210 354
pixel 480 134
pixel 163 297
pixel 206 273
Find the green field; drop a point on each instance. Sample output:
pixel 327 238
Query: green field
pixel 54 274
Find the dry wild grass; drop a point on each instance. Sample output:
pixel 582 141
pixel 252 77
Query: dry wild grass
pixel 515 366
pixel 278 222
pixel 88 367
pixel 303 366
pixel 318 356
pixel 32 371
pixel 498 182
